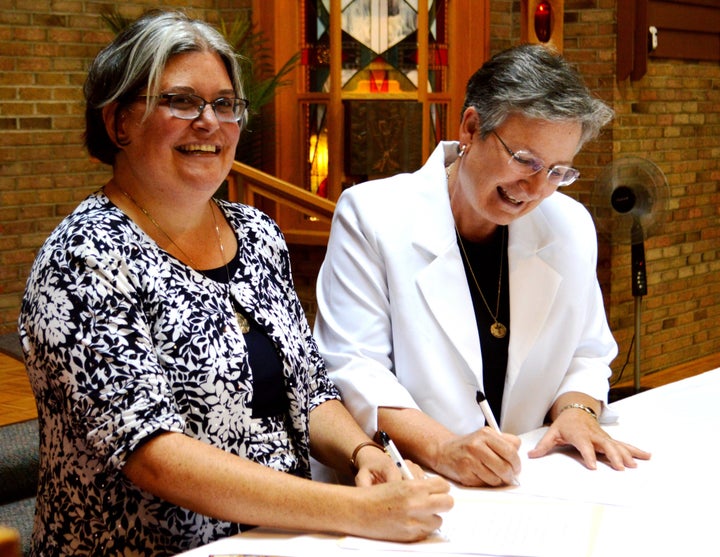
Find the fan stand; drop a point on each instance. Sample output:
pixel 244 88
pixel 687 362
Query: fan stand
pixel 617 393
pixel 639 289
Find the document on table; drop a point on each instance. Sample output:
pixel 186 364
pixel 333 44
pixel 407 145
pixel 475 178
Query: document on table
pixel 485 524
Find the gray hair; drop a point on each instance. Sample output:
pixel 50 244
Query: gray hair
pixel 533 81
pixel 134 62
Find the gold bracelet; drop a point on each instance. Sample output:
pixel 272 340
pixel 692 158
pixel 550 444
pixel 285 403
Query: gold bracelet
pixel 353 463
pixel 580 407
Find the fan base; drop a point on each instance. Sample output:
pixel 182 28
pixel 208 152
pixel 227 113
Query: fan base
pixel 618 393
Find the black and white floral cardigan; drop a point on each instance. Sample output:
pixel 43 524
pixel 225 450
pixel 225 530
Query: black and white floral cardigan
pixel 123 341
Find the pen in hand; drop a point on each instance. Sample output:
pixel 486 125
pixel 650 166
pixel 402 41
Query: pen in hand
pixel 393 453
pixel 490 418
pixel 487 411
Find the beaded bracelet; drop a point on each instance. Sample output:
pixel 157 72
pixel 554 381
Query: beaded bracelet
pixel 353 463
pixel 579 407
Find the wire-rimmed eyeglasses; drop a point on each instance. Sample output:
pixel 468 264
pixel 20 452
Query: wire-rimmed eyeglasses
pixel 527 164
pixel 187 106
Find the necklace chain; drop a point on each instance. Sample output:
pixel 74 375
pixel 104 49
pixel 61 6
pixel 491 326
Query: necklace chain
pixel 156 224
pixel 243 322
pixel 497 329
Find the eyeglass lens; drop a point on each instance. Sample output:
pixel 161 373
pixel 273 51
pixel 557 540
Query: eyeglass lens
pixel 528 164
pixel 189 107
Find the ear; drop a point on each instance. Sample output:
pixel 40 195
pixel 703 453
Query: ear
pixel 115 124
pixel 469 126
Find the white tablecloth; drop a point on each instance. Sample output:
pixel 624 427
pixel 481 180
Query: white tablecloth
pixel 665 506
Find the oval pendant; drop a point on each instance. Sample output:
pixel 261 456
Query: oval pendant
pixel 498 330
pixel 243 322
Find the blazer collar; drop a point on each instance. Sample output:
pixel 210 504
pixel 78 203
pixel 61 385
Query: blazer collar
pixel 443 284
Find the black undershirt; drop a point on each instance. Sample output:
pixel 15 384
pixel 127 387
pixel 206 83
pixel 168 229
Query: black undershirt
pixel 269 397
pixel 485 261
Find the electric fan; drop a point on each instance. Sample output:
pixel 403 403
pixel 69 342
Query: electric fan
pixel 629 204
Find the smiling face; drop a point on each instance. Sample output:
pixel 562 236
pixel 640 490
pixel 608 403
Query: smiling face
pixel 485 190
pixel 172 155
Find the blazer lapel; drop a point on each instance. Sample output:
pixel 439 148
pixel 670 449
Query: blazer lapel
pixel 530 300
pixel 442 282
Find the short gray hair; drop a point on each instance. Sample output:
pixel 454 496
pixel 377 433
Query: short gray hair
pixel 135 61
pixel 533 81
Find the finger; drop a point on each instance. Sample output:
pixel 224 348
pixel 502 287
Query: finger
pixel 637 453
pixel 544 446
pixel 415 470
pixel 364 478
pixel 500 453
pixel 588 455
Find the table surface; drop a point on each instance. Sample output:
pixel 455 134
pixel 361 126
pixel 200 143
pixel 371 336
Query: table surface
pixel 665 506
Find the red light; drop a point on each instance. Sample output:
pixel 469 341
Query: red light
pixel 543 21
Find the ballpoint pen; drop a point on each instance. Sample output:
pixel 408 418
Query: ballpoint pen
pixel 487 411
pixel 490 419
pixel 393 453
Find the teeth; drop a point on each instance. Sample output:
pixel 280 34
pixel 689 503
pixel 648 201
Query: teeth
pixel 198 147
pixel 509 197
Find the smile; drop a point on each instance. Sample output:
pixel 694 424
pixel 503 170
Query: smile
pixel 198 148
pixel 507 197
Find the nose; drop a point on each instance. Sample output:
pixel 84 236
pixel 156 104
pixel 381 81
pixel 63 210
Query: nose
pixel 207 117
pixel 536 186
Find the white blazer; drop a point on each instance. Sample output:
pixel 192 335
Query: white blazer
pixel 395 319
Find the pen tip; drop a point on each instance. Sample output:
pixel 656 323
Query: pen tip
pixel 384 439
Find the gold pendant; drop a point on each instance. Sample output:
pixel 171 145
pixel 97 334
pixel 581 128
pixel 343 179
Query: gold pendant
pixel 242 322
pixel 498 330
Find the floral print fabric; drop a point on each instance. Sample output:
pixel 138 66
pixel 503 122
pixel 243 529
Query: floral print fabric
pixel 123 341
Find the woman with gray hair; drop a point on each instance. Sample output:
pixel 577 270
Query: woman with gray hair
pixel 179 390
pixel 467 290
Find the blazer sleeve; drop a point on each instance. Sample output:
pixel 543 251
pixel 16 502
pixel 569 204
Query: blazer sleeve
pixel 353 324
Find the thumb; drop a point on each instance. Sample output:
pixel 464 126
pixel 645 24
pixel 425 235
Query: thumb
pixel 544 446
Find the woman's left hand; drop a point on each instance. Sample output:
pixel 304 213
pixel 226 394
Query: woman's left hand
pixel 376 467
pixel 578 428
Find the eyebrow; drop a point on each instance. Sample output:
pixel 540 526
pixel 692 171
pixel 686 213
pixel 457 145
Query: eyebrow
pixel 191 90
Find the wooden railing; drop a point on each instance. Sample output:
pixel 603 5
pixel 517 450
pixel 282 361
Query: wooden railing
pixel 246 183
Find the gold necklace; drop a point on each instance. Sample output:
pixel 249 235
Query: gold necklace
pixel 243 322
pixel 157 225
pixel 497 329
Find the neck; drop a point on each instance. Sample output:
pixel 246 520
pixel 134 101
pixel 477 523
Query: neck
pixel 468 223
pixel 187 232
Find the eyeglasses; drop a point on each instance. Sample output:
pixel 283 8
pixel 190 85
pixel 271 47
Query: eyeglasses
pixel 527 164
pixel 189 107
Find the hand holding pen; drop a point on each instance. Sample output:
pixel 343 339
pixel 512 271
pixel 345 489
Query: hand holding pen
pixel 490 420
pixel 394 454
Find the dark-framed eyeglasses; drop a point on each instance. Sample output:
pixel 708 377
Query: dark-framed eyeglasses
pixel 187 106
pixel 527 164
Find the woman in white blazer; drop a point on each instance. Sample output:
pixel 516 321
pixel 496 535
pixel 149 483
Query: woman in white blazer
pixel 418 317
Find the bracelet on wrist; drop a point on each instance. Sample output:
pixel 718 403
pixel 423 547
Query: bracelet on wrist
pixel 579 407
pixel 353 458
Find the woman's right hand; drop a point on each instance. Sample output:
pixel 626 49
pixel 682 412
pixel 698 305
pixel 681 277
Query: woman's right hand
pixel 403 511
pixel 482 458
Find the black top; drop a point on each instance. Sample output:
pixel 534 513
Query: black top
pixel 269 397
pixel 485 260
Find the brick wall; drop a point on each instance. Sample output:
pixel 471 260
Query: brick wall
pixel 45 48
pixel 670 117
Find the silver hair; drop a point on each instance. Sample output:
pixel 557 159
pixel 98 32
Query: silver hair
pixel 534 81
pixel 134 62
